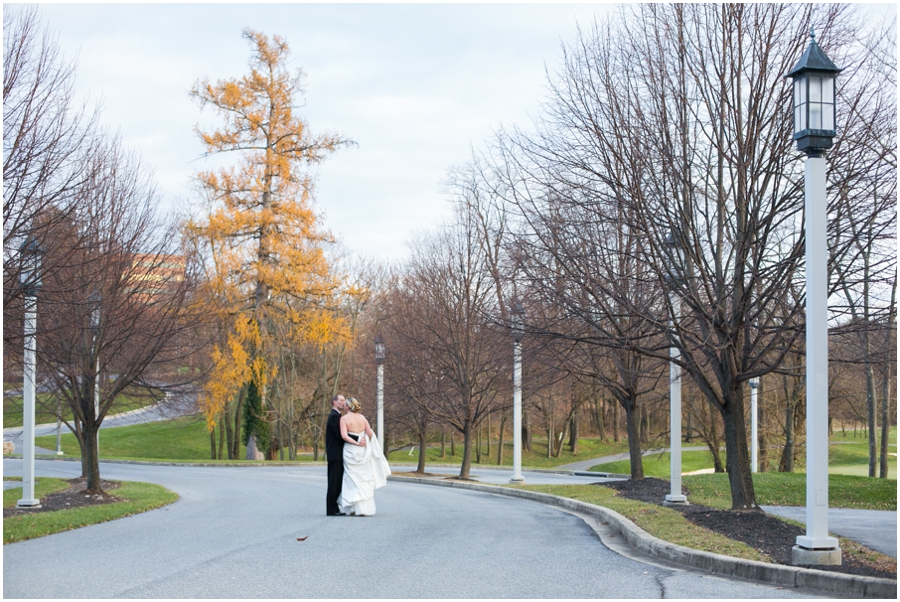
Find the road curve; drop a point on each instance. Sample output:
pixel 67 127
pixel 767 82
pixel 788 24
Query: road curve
pixel 233 534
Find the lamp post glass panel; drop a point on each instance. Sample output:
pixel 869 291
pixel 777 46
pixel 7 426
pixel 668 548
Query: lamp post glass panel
pixel 814 127
pixel 517 329
pixel 379 392
pixel 676 264
pixel 30 279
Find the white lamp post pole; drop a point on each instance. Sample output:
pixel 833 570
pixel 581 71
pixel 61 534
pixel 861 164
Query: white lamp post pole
pixel 518 331
pixel 31 281
pixel 95 326
pixel 675 496
pixel 814 127
pixel 28 397
pixel 59 450
pixel 754 424
pixel 379 392
pixel 672 279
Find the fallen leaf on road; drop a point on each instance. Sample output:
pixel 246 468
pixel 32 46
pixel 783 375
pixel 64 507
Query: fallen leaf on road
pixel 302 538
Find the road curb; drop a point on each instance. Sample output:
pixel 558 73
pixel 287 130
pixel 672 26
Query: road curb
pixel 717 564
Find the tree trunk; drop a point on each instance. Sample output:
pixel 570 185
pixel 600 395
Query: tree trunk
pixel 500 442
pixel 885 384
pixel 616 437
pixel 743 497
pixel 632 424
pixel 549 437
pixel 92 459
pixel 222 421
pixel 466 466
pixel 478 445
pixel 488 435
pixel 443 449
pixel 787 454
pixel 885 427
pixel 452 446
pixel 598 405
pixel 526 431
pixel 871 410
pixel 229 433
pixel 420 468
pixel 715 443
pixel 573 434
pixel 212 443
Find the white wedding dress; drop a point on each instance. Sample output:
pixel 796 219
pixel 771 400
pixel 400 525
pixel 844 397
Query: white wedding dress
pixel 365 470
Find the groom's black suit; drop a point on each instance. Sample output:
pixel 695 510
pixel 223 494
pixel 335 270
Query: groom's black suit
pixel 334 453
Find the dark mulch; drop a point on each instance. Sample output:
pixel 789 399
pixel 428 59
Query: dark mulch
pixel 73 497
pixel 764 532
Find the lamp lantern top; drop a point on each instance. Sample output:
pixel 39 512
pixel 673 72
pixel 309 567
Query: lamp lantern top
pixel 30 274
pixel 517 327
pixel 813 99
pixel 754 382
pixel 379 348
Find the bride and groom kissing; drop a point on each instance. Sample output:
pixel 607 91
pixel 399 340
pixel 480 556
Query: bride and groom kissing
pixel 356 464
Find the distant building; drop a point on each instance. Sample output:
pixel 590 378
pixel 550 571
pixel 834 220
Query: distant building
pixel 156 274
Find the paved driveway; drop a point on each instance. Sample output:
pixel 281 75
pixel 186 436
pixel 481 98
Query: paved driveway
pixel 233 534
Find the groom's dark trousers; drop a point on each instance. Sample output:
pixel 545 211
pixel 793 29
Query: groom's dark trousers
pixel 334 453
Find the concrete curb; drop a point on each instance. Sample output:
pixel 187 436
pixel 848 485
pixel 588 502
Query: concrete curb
pixel 760 572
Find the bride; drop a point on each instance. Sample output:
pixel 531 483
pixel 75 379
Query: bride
pixel 365 467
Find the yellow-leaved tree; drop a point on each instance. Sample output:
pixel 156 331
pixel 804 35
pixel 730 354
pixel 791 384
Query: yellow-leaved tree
pixel 268 280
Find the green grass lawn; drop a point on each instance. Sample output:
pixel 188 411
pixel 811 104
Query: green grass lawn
pixel 46 407
pixel 536 458
pixel 848 455
pixel 789 489
pixel 183 438
pixel 664 523
pixel 137 497
pixel 657 465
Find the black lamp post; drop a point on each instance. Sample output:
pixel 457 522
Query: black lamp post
pixel 814 128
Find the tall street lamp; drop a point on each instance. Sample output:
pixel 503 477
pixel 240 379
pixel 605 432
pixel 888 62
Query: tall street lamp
pixel 814 127
pixel 754 424
pixel 517 329
pixel 379 391
pixel 30 278
pixel 675 496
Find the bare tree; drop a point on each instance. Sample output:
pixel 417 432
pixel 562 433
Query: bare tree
pixel 114 316
pixel 678 115
pixel 452 294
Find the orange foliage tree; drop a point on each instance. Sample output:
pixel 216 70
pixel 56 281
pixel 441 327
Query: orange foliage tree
pixel 268 279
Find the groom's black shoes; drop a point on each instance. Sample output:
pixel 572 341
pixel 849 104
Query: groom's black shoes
pixel 338 514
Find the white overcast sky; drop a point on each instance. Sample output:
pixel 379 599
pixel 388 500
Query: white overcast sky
pixel 415 85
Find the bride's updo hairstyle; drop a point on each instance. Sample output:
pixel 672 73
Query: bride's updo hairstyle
pixel 353 404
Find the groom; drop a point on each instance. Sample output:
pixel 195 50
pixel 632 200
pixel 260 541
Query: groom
pixel 334 452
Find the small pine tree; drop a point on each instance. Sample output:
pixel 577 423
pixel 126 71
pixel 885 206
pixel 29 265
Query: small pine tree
pixel 254 419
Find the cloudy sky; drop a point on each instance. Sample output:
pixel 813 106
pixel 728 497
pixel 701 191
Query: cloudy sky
pixel 415 85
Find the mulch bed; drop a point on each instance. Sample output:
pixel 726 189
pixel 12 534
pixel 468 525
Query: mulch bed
pixel 73 497
pixel 764 532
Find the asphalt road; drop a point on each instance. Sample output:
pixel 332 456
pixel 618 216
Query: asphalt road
pixel 233 534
